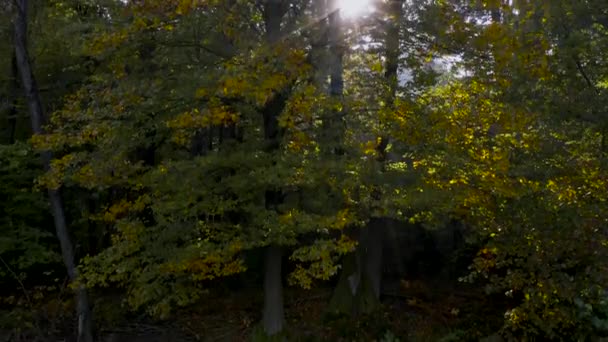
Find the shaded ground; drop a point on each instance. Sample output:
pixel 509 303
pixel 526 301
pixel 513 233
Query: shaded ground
pixel 412 311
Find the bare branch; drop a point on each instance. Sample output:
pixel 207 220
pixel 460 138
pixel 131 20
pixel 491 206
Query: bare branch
pixel 580 68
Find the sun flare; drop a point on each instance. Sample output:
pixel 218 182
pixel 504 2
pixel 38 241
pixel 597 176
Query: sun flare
pixel 355 8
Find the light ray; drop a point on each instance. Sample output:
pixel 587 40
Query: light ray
pixel 355 8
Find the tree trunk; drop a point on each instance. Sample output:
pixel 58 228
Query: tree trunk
pixel 12 113
pixel 273 320
pixel 36 116
pixel 362 272
pixel 354 293
pixel 357 292
pixel 374 250
pixel 394 10
pixel 319 45
pixel 336 52
pixel 333 126
pixel 377 226
pixel 201 142
pixel 274 315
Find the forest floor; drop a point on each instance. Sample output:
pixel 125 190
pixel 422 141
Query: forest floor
pixel 414 311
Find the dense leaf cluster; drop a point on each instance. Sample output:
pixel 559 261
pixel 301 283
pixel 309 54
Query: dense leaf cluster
pixel 190 135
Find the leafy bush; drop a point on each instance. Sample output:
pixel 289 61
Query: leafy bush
pixel 25 232
pixel 389 337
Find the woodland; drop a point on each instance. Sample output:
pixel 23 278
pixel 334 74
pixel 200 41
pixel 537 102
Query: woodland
pixel 303 170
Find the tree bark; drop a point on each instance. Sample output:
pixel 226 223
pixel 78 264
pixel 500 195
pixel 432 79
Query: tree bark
pixel 319 44
pixel 273 320
pixel 12 113
pixel 358 290
pixel 354 292
pixel 274 315
pixel 377 226
pixel 36 116
pixel 333 126
pixel 374 250
pixel 336 51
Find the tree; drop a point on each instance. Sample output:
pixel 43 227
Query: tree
pixel 36 116
pixel 197 134
pixel 273 316
pixel 515 171
pixel 218 171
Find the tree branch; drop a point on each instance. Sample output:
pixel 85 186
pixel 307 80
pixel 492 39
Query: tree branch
pixel 580 68
pixel 579 65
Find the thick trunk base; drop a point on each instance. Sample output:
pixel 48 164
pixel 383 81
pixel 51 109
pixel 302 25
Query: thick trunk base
pixel 354 295
pixel 273 320
pixel 358 289
pixel 85 316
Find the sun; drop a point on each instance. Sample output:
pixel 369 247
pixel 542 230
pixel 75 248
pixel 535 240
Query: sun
pixel 355 8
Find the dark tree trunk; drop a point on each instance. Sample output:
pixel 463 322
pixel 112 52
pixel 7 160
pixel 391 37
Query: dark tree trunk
pixel 336 53
pixel 377 226
pixel 334 124
pixel 362 272
pixel 319 45
pixel 374 250
pixel 83 310
pixel 353 294
pixel 36 116
pixel 12 113
pixel 199 145
pixel 274 315
pixel 394 9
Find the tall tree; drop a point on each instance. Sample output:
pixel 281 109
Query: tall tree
pixel 506 149
pixel 193 215
pixel 274 313
pixel 85 323
pixel 13 112
pixel 359 289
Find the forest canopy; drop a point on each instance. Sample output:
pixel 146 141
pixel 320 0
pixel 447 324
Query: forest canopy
pixel 379 170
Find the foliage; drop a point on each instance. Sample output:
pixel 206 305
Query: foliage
pixel 188 134
pixel 389 337
pixel 182 218
pixel 25 235
pixel 530 181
